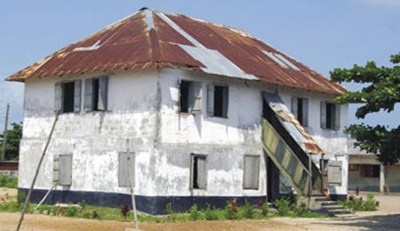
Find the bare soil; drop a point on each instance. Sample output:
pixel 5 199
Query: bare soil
pixel 386 218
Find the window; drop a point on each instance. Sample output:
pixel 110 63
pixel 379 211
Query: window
pixel 62 170
pixel 251 172
pixel 330 116
pixel 300 110
pixel 123 171
pixel 218 99
pixel 190 97
pixel 96 91
pixel 369 170
pixel 199 171
pixel 67 96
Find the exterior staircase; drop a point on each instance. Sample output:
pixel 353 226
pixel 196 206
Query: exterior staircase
pixel 326 206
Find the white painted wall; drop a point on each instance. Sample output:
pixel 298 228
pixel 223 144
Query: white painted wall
pixel 143 107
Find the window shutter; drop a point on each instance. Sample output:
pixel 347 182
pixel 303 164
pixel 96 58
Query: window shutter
pixel 58 97
pixel 335 172
pixel 251 169
pixel 225 103
pixel 202 173
pixel 65 165
pixel 305 113
pixel 56 168
pixel 210 100
pixel 179 94
pixel 323 114
pixel 196 96
pixel 123 173
pixel 88 100
pixel 294 106
pixel 77 95
pixel 103 93
pixel 337 116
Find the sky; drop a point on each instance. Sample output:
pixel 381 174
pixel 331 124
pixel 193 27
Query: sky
pixel 321 34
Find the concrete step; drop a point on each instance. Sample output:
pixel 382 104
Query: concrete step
pixel 336 212
pixel 328 203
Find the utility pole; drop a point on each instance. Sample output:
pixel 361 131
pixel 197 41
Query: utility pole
pixel 3 151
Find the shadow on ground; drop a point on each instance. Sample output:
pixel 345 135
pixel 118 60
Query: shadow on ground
pixel 377 222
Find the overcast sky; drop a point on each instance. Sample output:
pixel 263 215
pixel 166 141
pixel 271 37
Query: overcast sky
pixel 321 34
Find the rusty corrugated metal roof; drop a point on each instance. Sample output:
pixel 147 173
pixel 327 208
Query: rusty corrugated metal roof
pixel 151 39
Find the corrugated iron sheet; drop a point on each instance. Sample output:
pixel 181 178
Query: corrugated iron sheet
pixel 150 39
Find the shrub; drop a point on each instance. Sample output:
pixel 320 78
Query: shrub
pixel 265 209
pixel 8 181
pixel 300 210
pixel 231 209
pixel 358 204
pixel 211 213
pixel 194 214
pixel 247 211
pixel 370 204
pixel 282 206
pixel 71 211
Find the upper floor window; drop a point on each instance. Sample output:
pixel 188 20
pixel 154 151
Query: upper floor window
pixel 330 116
pixel 300 110
pixel 217 100
pixel 96 92
pixel 68 96
pixel 190 96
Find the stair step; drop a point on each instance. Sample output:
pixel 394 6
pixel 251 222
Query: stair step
pixel 333 207
pixel 339 211
pixel 320 199
pixel 328 203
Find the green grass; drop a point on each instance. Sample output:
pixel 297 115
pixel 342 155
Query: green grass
pixel 8 181
pixel 359 204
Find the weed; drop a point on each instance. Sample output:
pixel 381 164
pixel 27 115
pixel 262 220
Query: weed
pixel 71 211
pixel 247 211
pixel 265 209
pixel 358 204
pixel 282 206
pixel 125 210
pixel 231 209
pixel 194 214
pixel 8 181
pixel 210 213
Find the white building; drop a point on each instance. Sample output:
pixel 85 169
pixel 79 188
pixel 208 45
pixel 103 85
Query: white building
pixel 183 96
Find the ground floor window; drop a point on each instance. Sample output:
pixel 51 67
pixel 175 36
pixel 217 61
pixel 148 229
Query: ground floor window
pixel 369 170
pixel 125 159
pixel 251 171
pixel 62 169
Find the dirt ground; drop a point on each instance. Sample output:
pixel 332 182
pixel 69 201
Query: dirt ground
pixel 386 218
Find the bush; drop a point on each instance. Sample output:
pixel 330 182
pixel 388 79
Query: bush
pixel 358 204
pixel 71 211
pixel 231 209
pixel 265 209
pixel 211 213
pixel 282 206
pixel 247 211
pixel 8 181
pixel 194 214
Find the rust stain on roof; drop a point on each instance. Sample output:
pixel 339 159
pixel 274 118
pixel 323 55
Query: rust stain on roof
pixel 150 39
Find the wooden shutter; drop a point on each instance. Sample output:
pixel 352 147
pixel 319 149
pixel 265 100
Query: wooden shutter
pixel 77 96
pixel 210 99
pixel 123 173
pixel 103 93
pixel 65 166
pixel 88 100
pixel 294 107
pixel 56 168
pixel 196 96
pixel 335 172
pixel 337 117
pixel 225 102
pixel 58 97
pixel 305 113
pixel 323 114
pixel 251 172
pixel 201 172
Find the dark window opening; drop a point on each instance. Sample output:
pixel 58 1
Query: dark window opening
pixel 184 96
pixel 68 96
pixel 199 172
pixel 95 95
pixel 330 115
pixel 300 110
pixel 369 170
pixel 221 101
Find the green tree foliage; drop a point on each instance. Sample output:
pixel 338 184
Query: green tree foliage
pixel 14 136
pixel 381 91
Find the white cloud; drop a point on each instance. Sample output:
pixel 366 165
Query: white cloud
pixel 384 3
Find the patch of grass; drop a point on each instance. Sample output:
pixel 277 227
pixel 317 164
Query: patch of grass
pixel 8 181
pixel 247 211
pixel 283 206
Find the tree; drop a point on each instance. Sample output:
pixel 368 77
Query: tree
pixel 381 91
pixel 14 136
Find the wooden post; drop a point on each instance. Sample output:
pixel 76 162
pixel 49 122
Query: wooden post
pixel 3 151
pixel 131 184
pixel 28 197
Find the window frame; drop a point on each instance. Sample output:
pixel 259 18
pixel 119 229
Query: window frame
pixel 193 96
pixel 211 101
pixel 334 116
pixel 60 96
pixel 303 120
pixel 95 98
